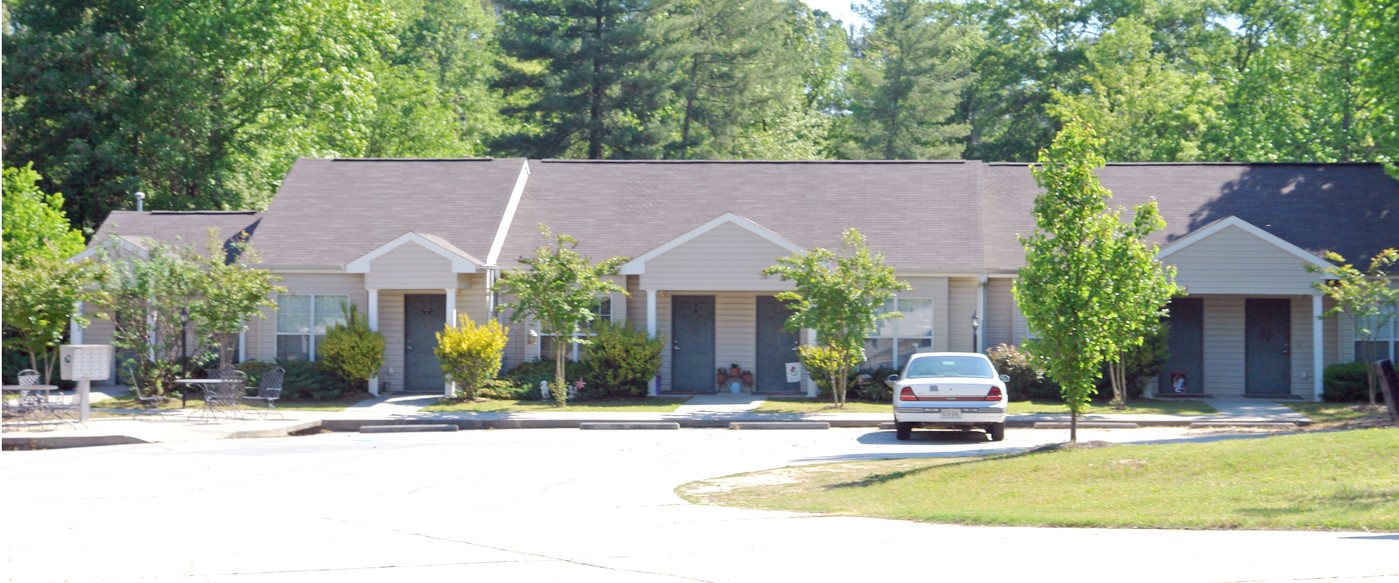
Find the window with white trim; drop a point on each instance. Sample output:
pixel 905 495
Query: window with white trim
pixel 897 338
pixel 1384 344
pixel 302 320
pixel 602 311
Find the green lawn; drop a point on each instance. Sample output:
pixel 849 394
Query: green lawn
pixel 507 405
pixel 1172 407
pixel 1333 480
pixel 821 406
pixel 1332 412
pixel 1185 407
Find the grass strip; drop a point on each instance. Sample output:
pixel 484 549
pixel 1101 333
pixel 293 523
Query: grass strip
pixel 509 406
pixel 1313 481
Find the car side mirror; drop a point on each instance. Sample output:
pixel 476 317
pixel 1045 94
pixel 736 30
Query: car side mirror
pixel 1005 378
pixel 892 381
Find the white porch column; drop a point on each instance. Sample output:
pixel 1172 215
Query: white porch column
pixel 1318 350
pixel 450 388
pixel 75 332
pixel 812 390
pixel 981 309
pixel 374 325
pixel 651 387
pixel 243 340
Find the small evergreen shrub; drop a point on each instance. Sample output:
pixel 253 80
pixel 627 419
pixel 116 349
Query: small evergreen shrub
pixel 528 375
pixel 1345 382
pixel 351 350
pixel 622 361
pixel 470 354
pixel 311 381
pixel 1027 381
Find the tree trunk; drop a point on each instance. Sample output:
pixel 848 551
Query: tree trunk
pixel 560 389
pixel 1073 427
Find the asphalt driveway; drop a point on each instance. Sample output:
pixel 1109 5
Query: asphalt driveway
pixel 566 505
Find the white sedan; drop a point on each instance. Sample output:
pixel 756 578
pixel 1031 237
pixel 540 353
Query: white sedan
pixel 952 390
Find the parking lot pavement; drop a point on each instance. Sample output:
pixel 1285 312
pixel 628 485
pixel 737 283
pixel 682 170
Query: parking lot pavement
pixel 565 505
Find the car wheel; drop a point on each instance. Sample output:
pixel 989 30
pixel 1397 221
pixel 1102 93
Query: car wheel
pixel 903 430
pixel 997 431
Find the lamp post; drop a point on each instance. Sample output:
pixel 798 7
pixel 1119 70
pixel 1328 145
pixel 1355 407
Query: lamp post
pixel 976 325
pixel 184 353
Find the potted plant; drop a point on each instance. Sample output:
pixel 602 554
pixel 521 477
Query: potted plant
pixel 748 377
pixel 721 376
pixel 734 370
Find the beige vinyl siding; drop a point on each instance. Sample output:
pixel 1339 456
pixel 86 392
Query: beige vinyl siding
pixel 935 288
pixel 410 266
pixel 1301 351
pixel 391 326
pixel 1224 345
pixel 961 303
pixel 999 322
pixel 735 326
pixel 1234 261
pixel 728 258
pixel 261 338
pixel 663 327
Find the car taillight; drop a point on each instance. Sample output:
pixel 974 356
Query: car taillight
pixel 994 395
pixel 907 394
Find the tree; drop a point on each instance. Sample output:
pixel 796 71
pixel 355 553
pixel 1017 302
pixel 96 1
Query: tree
pixel 596 87
pixel 199 104
pixel 559 288
pixel 41 295
pixel 1365 296
pixel 33 222
pixel 1145 107
pixel 351 349
pixel 904 87
pixel 230 293
pixel 1084 307
pixel 840 297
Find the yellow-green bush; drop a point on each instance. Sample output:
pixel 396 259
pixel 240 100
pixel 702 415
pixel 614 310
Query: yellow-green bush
pixel 470 354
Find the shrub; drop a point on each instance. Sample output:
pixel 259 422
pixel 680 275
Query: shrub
pixel 351 350
pixel 869 384
pixel 1345 382
pixel 254 370
pixel 622 360
pixel 470 354
pixel 821 363
pixel 505 389
pixel 1027 381
pixel 528 375
pixel 310 381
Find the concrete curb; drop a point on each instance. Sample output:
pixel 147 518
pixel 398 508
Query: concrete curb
pixel 415 428
pixel 1085 425
pixel 630 425
pixel 64 441
pixel 1275 424
pixel 779 425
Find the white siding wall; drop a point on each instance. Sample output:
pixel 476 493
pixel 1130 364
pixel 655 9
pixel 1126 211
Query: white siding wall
pixel 1234 261
pixel 961 302
pixel 999 322
pixel 1224 345
pixel 410 266
pixel 735 330
pixel 728 258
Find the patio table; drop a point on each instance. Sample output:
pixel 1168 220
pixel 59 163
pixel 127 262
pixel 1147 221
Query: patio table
pixel 219 394
pixel 32 402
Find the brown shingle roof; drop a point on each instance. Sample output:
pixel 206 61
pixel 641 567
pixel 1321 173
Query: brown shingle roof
pixel 177 227
pixel 330 212
pixel 923 215
pixel 1352 209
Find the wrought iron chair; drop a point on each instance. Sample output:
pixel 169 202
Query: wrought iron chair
pixel 269 389
pixel 28 403
pixel 152 401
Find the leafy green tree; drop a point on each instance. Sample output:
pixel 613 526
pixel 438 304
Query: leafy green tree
pixel 41 295
pixel 199 104
pixel 34 222
pixel 351 349
pixel 559 288
pixel 230 293
pixel 1146 107
pixel 839 295
pixel 591 68
pixel 1069 286
pixel 1364 296
pixel 904 88
pixel 144 295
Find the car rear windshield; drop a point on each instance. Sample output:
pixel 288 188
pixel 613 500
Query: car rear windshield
pixel 950 366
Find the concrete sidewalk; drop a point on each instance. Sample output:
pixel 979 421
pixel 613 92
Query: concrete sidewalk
pixel 707 411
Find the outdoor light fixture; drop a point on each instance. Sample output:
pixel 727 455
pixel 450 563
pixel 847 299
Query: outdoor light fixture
pixel 976 325
pixel 533 338
pixel 184 352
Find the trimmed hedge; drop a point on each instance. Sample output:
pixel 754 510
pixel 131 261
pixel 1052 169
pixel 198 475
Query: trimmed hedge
pixel 1345 382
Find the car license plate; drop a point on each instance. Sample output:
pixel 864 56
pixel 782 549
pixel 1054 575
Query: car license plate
pixel 951 413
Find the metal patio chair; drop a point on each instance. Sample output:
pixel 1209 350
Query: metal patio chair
pixel 152 401
pixel 269 389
